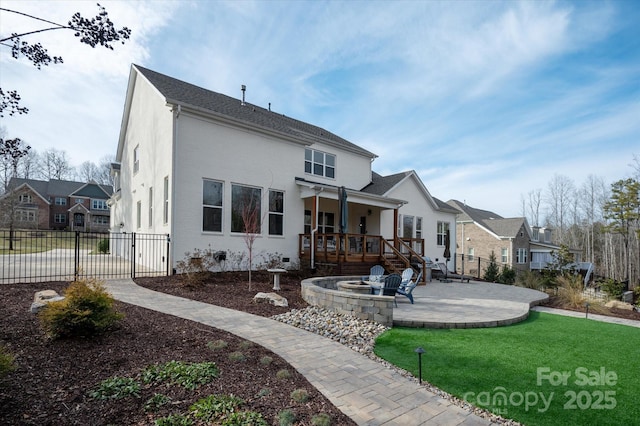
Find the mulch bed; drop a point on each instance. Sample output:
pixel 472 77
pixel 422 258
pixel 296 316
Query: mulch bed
pixel 53 377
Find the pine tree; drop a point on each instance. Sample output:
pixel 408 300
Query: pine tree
pixel 492 272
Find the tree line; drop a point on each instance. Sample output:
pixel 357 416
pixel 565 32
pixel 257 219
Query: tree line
pixel 600 219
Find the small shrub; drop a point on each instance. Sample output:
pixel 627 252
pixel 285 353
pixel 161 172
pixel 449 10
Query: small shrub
pixel 188 375
pixel 7 361
pixel 286 418
pixel 116 388
pixel 300 395
pixel 529 279
pixel 244 418
pixel 283 374
pixel 174 420
pixel 237 356
pixel 217 344
pixel 266 360
pixel 245 344
pixel 156 401
pixel 507 275
pixel 103 246
pixel 613 288
pixel 322 419
pixel 215 407
pixel 87 310
pixel 570 291
pixel 264 392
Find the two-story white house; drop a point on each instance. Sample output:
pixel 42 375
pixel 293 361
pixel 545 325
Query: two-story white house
pixel 192 163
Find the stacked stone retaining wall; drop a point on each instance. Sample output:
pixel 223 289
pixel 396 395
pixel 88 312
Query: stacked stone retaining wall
pixel 322 291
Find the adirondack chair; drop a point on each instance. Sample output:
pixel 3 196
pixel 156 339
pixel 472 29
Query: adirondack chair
pixel 391 284
pixel 375 274
pixel 407 290
pixel 407 274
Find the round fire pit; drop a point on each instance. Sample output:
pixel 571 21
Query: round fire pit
pixel 354 287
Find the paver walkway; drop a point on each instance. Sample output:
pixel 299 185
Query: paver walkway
pixel 362 388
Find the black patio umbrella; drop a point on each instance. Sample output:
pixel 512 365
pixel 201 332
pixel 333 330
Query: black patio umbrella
pixel 447 251
pixel 344 210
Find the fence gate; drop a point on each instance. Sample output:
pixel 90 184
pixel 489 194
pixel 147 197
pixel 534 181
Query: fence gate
pixel 36 256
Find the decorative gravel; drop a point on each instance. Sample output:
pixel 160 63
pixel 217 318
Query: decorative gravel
pixel 360 335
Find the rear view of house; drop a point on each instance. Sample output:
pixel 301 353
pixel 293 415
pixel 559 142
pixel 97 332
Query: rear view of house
pixel 196 165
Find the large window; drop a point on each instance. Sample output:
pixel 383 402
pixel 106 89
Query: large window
pixel 276 212
pixel 211 205
pixel 407 226
pixel 25 215
pixel 521 255
pixel 60 218
pixel 150 207
pixel 246 209
pixel 504 255
pixel 441 232
pixel 319 163
pixel 136 159
pixel 99 205
pixel 101 220
pixel 61 201
pixel 165 203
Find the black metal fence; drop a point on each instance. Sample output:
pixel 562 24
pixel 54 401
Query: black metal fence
pixel 35 256
pixel 475 266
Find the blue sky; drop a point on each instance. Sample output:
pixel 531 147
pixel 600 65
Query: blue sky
pixel 485 100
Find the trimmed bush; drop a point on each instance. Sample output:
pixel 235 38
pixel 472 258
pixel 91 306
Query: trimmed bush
pixel 322 419
pixel 6 361
pixel 286 418
pixel 103 246
pixel 87 310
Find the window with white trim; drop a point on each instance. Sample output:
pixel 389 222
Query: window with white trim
pixel 150 207
pixel 211 205
pixel 61 201
pixel 246 209
pixel 407 226
pixel 470 254
pixel 276 212
pixel 25 215
pixel 99 205
pixel 441 232
pixel 25 198
pixel 101 220
pixel 165 203
pixel 418 227
pixel 319 163
pixel 79 200
pixel 521 255
pixel 136 159
pixel 60 218
pixel 504 255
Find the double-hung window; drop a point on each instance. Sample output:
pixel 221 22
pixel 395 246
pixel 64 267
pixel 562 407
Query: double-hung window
pixel 521 255
pixel 60 218
pixel 319 163
pixel 504 255
pixel 276 212
pixel 61 201
pixel 211 205
pixel 165 203
pixel 441 232
pixel 470 254
pixel 99 205
pixel 246 209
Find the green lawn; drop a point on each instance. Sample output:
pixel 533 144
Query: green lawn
pixel 547 370
pixel 36 241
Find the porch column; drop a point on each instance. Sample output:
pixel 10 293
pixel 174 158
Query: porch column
pixel 395 227
pixel 314 229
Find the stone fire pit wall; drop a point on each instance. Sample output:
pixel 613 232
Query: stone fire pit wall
pixel 322 291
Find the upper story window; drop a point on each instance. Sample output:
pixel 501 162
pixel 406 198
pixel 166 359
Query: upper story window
pixel 441 232
pixel 136 159
pixel 79 201
pixel 61 201
pixel 536 234
pixel 547 235
pixel 521 255
pixel 99 205
pixel 319 163
pixel 25 198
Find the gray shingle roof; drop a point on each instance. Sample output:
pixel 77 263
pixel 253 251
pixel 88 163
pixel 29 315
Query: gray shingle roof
pixel 502 227
pixel 64 188
pixel 381 184
pixel 180 92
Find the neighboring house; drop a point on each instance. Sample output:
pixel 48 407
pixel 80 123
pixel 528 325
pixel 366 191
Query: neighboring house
pixel 58 204
pixel 191 161
pixel 512 240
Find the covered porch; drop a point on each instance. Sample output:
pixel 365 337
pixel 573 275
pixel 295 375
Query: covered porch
pixel 345 228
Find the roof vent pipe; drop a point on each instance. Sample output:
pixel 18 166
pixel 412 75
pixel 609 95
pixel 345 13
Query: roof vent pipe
pixel 269 106
pixel 244 89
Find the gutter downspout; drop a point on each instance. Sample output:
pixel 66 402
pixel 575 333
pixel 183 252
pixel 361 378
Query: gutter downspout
pixel 174 150
pixel 315 230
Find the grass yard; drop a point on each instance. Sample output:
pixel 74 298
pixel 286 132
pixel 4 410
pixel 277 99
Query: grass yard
pixel 36 241
pixel 547 370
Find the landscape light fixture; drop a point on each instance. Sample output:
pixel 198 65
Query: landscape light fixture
pixel 419 351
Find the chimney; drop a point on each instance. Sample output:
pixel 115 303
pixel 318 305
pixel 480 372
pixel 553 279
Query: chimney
pixel 244 89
